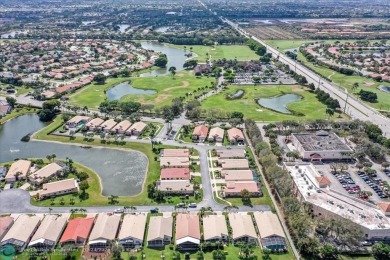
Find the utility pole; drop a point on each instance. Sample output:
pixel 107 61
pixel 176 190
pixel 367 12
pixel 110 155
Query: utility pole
pixel 346 101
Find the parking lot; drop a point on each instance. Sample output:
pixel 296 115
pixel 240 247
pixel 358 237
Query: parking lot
pixel 265 78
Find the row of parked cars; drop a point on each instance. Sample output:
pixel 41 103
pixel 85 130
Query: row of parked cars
pixel 375 183
pixel 348 183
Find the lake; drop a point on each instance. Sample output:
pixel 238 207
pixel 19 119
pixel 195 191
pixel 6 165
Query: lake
pixel 125 88
pixel 122 173
pixel 123 27
pixel 385 88
pixel 175 57
pixel 279 103
pixel 238 94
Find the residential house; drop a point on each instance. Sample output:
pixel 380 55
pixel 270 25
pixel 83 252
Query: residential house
pixel 21 232
pixel 175 153
pixel 215 228
pixel 58 188
pixel 77 231
pixel 235 188
pixel 243 229
pixel 5 224
pixel 77 121
pixel 103 232
pixel 107 125
pixel 160 231
pixel 121 127
pixel 18 171
pixel 5 108
pixel 200 133
pixel 48 233
pixel 270 230
pixel 231 154
pixel 132 231
pixel 175 187
pixel 216 135
pixel 3 172
pixel 46 173
pixel 187 232
pixel 94 124
pixel 234 164
pixel 174 162
pixel 235 136
pixel 136 129
pixel 175 174
pixel 237 175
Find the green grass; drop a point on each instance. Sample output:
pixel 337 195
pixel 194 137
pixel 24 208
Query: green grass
pixel 229 52
pixel 346 82
pixel 309 106
pixel 283 45
pixel 53 256
pixel 17 112
pixel 168 88
pixel 22 90
pixel 93 94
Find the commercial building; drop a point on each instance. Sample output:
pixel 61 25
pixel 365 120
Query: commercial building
pixel 200 133
pixel 94 124
pixel 235 188
pixel 216 135
pixel 235 136
pixel 231 154
pixel 48 233
pixel 270 230
pixel 175 153
pixel 187 232
pixel 243 229
pixel 58 188
pixel 329 203
pixel 18 171
pixel 160 231
pixel 234 164
pixel 5 224
pixel 21 232
pixel 182 187
pixel 175 174
pixel 103 232
pixel 107 125
pixel 77 121
pixel 136 129
pixel 174 162
pixel 46 173
pixel 121 127
pixel 77 231
pixel 321 145
pixel 215 228
pixel 5 108
pixel 132 231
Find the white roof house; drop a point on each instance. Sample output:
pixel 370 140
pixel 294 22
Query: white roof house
pixel 242 227
pixel 132 230
pixel 160 230
pixel 49 232
pixel 270 230
pixel 105 229
pixel 20 233
pixel 45 173
pixel 215 228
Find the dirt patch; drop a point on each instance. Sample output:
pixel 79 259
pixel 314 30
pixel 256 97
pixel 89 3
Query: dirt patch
pixel 160 98
pixel 368 84
pixel 298 89
pixel 179 75
pixel 185 85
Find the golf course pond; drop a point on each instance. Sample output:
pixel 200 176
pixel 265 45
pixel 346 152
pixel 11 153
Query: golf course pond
pixel 385 88
pixel 125 88
pixel 279 103
pixel 121 172
pixel 238 94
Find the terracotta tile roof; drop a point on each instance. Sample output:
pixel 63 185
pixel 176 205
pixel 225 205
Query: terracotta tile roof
pixel 201 131
pixel 187 225
pixel 323 180
pixel 235 133
pixel 78 227
pixel 384 206
pixel 175 173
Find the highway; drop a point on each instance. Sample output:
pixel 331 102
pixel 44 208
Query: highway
pixel 355 108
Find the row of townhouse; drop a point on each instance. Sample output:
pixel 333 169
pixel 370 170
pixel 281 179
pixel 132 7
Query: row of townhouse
pixel 201 133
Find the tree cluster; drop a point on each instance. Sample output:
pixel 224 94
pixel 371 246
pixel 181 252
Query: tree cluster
pixel 49 110
pixel 326 99
pixel 368 96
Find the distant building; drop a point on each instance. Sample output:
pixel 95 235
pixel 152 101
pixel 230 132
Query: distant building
pixel 58 188
pixel 5 108
pixel 243 229
pixel 235 188
pixel 187 232
pixel 160 231
pixel 215 228
pixel 175 153
pixel 235 136
pixel 200 133
pixel 107 125
pixel 121 127
pixel 103 232
pixel 234 164
pixel 174 162
pixel 237 175
pixel 77 121
pixel 231 154
pixel 202 69
pixel 175 187
pixel 94 124
pixel 321 145
pixel 77 231
pixel 45 174
pixel 18 171
pixel 3 172
pixel 5 224
pixel 175 174
pixel 216 135
pixel 132 231
pixel 271 232
pixel 136 129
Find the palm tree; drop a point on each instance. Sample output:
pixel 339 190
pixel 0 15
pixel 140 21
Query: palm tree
pixel 355 86
pixel 329 112
pixel 172 70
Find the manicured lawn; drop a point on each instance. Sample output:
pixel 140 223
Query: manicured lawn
pixel 346 82
pixel 229 52
pixel 18 112
pixel 95 195
pixel 22 90
pixel 168 88
pixel 283 45
pixel 56 255
pixel 93 94
pixel 309 106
